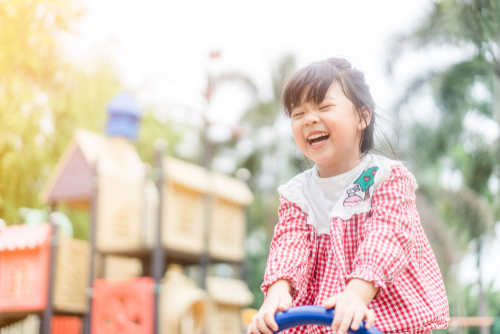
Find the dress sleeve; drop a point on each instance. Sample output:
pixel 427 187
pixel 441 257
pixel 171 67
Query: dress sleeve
pixel 388 235
pixel 290 247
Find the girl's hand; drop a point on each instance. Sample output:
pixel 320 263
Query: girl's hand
pixel 351 306
pixel 278 299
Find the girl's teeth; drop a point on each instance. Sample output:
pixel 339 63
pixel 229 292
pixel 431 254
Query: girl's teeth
pixel 319 142
pixel 317 136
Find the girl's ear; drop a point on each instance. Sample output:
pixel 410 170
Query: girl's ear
pixel 365 117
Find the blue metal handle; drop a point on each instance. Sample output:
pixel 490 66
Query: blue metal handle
pixel 313 315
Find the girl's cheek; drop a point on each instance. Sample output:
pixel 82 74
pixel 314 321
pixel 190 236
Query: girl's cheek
pixel 300 142
pixel 297 142
pixel 297 132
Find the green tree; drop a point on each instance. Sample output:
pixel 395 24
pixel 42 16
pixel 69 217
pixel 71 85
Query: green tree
pixel 468 211
pixel 31 70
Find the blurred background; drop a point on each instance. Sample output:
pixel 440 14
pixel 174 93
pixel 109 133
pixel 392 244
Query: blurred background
pixel 208 75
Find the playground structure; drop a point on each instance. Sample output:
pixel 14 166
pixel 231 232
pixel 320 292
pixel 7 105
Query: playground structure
pixel 24 264
pixel 121 306
pixel 183 304
pixel 189 216
pixel 229 297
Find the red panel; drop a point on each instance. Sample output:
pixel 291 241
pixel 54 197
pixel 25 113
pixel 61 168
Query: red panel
pixel 74 182
pixel 23 278
pixel 66 325
pixel 123 306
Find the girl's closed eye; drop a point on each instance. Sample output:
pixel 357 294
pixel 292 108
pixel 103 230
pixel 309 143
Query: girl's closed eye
pixel 327 107
pixel 297 114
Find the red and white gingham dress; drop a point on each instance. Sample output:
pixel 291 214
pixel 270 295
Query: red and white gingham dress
pixel 385 245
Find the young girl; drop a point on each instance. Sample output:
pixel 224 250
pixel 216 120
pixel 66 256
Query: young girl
pixel 349 234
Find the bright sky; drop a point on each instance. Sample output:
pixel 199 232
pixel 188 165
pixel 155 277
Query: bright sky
pixel 160 49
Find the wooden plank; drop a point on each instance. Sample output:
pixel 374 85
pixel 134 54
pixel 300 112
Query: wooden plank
pixel 471 321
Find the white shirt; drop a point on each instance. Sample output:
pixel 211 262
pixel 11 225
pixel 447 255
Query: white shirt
pixel 331 188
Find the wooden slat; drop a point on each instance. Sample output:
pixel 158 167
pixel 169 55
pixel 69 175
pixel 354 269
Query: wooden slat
pixel 471 321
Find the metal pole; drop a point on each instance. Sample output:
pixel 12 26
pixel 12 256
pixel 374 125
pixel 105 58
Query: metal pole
pixel 244 262
pixel 87 321
pixel 206 160
pixel 207 199
pixel 158 253
pixel 47 313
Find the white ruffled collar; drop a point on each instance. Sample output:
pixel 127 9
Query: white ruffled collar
pixel 356 198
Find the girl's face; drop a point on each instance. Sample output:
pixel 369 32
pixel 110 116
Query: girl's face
pixel 329 133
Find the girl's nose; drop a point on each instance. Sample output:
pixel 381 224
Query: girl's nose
pixel 311 119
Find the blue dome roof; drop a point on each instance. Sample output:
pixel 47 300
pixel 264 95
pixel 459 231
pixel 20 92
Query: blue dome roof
pixel 124 116
pixel 124 103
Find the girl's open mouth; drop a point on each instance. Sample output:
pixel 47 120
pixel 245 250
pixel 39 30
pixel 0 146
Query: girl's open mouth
pixel 318 139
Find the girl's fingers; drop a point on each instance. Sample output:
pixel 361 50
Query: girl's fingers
pixel 330 302
pixel 253 325
pixel 339 315
pixel 270 321
pixel 268 314
pixel 359 314
pixel 262 326
pixel 284 304
pixel 258 324
pixel 346 320
pixel 370 318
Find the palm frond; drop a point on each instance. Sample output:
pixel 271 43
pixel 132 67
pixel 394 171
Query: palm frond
pixel 438 28
pixel 468 213
pixel 456 23
pixel 453 86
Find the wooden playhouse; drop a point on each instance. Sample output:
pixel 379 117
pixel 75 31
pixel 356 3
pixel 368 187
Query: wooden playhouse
pixel 24 259
pixel 31 325
pixel 120 182
pixel 227 232
pixel 123 306
pixel 115 168
pixel 183 224
pixel 228 297
pixel 108 174
pixel 183 305
pixel 121 267
pixel 24 264
pixel 187 187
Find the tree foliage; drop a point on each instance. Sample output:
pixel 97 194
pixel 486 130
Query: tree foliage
pixel 446 145
pixel 31 72
pixel 44 98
